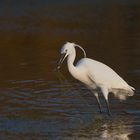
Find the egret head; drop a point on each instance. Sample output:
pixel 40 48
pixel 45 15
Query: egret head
pixel 67 49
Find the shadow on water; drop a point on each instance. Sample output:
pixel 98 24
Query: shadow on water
pixel 37 102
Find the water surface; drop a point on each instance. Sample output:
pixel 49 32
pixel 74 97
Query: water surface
pixel 39 103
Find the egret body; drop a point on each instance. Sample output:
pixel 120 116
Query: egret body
pixel 95 75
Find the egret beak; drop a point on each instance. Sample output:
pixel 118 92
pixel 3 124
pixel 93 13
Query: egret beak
pixel 63 56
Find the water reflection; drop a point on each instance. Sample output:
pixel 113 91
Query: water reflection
pixel 115 129
pixel 118 131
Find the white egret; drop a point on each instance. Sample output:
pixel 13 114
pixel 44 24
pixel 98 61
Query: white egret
pixel 96 75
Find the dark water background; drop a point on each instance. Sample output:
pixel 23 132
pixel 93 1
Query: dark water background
pixel 39 103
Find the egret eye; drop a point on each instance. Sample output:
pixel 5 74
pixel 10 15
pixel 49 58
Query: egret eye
pixel 65 51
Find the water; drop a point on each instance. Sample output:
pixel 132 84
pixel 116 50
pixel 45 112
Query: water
pixel 39 103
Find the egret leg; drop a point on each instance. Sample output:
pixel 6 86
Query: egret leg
pixel 98 101
pixel 105 94
pixel 107 104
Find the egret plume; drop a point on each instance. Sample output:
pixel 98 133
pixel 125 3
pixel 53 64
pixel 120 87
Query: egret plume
pixel 76 45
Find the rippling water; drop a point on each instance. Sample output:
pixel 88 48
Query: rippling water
pixel 36 102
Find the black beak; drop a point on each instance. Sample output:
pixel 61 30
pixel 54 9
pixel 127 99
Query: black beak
pixel 63 56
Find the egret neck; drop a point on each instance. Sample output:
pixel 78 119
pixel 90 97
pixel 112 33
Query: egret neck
pixel 70 60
